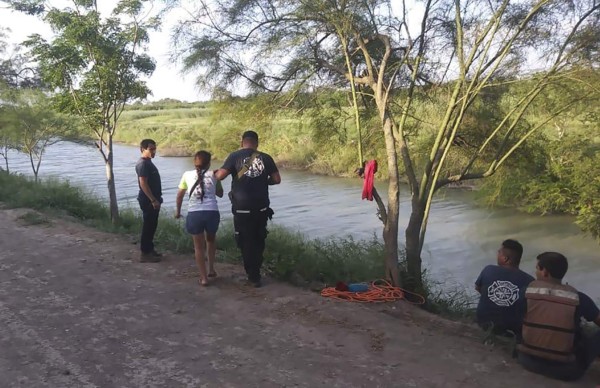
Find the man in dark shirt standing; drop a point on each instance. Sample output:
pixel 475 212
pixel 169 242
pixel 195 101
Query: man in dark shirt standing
pixel 252 172
pixel 149 198
pixel 502 287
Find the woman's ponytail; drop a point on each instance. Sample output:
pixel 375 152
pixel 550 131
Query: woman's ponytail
pixel 201 173
pixel 202 163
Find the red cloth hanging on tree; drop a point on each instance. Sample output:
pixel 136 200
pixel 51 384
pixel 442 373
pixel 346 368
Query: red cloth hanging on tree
pixel 369 176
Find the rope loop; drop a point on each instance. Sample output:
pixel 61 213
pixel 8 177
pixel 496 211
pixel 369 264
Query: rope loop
pixel 379 291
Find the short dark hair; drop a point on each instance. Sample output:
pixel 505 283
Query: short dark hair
pixel 555 263
pixel 514 250
pixel 144 144
pixel 250 135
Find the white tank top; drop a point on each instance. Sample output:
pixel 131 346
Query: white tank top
pixel 209 202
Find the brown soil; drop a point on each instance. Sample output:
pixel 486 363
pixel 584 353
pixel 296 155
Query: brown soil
pixel 77 311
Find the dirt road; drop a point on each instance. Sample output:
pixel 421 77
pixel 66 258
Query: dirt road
pixel 77 311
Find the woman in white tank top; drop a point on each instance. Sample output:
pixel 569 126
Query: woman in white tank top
pixel 203 217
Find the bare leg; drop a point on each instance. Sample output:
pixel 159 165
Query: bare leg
pixel 199 247
pixel 211 243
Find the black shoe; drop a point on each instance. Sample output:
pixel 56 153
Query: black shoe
pixel 156 254
pixel 149 258
pixel 254 283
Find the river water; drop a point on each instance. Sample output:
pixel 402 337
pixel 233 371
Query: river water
pixel 461 238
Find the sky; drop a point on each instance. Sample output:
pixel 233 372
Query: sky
pixel 167 80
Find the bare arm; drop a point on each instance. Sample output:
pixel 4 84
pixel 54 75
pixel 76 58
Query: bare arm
pixel 478 288
pixel 275 178
pixel 221 174
pixel 597 320
pixel 146 189
pixel 179 202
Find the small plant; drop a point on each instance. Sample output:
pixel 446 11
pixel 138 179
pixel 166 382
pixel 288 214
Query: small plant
pixel 34 218
pixel 451 301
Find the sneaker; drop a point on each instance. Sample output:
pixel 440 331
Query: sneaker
pixel 149 258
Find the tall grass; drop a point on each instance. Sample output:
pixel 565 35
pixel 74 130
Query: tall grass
pixel 289 256
pixel 293 140
pixel 53 195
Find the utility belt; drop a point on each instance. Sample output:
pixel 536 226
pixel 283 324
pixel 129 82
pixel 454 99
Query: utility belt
pixel 267 211
pixel 264 209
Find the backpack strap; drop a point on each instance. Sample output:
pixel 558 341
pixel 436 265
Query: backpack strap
pixel 247 165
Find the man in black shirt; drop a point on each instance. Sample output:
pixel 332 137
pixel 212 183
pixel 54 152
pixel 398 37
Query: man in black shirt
pixel 502 287
pixel 252 172
pixel 149 198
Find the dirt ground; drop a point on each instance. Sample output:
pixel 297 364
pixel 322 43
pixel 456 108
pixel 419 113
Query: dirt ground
pixel 77 311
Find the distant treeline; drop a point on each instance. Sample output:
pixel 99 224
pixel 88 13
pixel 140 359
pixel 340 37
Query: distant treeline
pixel 557 171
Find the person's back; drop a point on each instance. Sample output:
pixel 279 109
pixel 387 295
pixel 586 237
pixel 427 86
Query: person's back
pixel 553 342
pixel 203 197
pixel 501 305
pixel 252 173
pixel 250 191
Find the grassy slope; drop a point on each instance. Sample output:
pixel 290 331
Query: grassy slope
pixel 289 256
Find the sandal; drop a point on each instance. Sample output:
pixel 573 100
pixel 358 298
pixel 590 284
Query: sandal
pixel 212 275
pixel 203 283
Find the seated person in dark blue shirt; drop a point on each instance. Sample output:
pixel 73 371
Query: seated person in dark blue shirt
pixel 554 343
pixel 502 304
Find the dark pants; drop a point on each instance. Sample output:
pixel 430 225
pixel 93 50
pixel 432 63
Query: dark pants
pixel 150 222
pixel 586 351
pixel 250 235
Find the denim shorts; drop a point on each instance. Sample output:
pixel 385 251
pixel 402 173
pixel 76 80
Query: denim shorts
pixel 203 221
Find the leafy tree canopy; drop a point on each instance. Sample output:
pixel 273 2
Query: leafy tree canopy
pixel 95 64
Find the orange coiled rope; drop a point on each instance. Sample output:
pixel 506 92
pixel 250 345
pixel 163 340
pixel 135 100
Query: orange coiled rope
pixel 379 291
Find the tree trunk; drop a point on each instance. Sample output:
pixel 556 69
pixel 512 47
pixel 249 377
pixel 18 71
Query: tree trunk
pixel 390 229
pixel 110 178
pixel 5 156
pixel 413 247
pixel 35 172
pixel 390 239
pixel 38 164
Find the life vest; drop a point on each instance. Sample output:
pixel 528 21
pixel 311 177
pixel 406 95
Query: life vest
pixel 549 324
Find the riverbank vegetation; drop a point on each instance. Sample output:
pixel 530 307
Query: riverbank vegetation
pixel 555 172
pixel 94 65
pixel 289 256
pixel 459 56
pixel 501 91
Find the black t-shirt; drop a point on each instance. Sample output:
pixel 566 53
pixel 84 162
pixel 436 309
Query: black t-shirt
pixel 251 191
pixel 145 168
pixel 586 309
pixel 502 299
